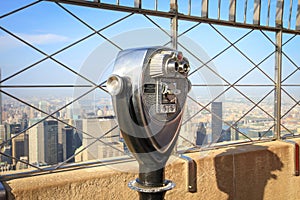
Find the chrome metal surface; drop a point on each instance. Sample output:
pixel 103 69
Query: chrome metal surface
pixel 149 109
pixel 135 185
pixel 156 89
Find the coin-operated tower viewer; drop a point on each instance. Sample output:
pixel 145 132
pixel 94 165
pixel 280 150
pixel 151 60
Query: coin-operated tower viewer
pixel 149 88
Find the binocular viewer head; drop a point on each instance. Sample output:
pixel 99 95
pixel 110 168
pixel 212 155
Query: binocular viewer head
pixel 149 87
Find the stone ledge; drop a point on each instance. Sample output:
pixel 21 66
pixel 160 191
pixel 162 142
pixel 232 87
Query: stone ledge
pixel 250 171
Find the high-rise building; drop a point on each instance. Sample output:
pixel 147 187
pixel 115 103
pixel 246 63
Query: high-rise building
pixel 69 109
pixel 34 136
pixel 24 121
pixel 201 136
pixel 50 129
pixel 11 129
pixel 68 143
pixel 225 136
pixel 6 150
pixel 77 132
pixel 2 133
pixel 22 165
pixel 1 119
pixel 96 127
pixel 229 133
pixel 61 140
pixel 234 132
pixel 19 147
pixel 186 131
pixel 216 120
pixel 32 112
pixel 43 140
pixel 44 106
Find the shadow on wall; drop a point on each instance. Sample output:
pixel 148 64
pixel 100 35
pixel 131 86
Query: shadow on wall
pixel 243 172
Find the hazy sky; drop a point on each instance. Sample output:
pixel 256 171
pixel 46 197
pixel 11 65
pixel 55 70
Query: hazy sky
pixel 49 28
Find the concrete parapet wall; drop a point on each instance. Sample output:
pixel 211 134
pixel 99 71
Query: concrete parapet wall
pixel 251 171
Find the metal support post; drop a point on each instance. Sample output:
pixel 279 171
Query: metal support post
pixel 138 4
pixel 278 69
pixel 191 173
pixel 278 79
pixel 151 185
pixel 174 23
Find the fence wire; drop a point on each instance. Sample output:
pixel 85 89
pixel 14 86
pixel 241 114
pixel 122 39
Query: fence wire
pixel 185 21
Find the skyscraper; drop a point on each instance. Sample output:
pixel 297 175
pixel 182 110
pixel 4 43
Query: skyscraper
pixel 2 133
pixel 225 136
pixel 201 137
pixel 216 120
pixel 77 132
pixel 6 150
pixel 0 100
pixel 234 132
pixel 69 109
pixel 51 141
pixel 97 127
pixel 19 147
pixel 44 106
pixel 43 140
pixel 230 133
pixel 35 147
pixel 61 142
pixel 68 143
pixel 22 165
pixel 11 129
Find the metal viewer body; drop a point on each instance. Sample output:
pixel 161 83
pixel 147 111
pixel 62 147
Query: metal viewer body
pixel 149 88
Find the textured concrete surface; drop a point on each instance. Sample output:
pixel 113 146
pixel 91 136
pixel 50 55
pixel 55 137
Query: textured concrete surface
pixel 244 172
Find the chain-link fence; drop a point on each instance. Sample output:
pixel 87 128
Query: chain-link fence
pixel 56 56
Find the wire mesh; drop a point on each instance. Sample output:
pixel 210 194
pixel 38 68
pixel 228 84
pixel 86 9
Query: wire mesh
pixel 241 116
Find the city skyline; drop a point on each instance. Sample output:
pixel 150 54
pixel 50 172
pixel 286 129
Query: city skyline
pixel 48 35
